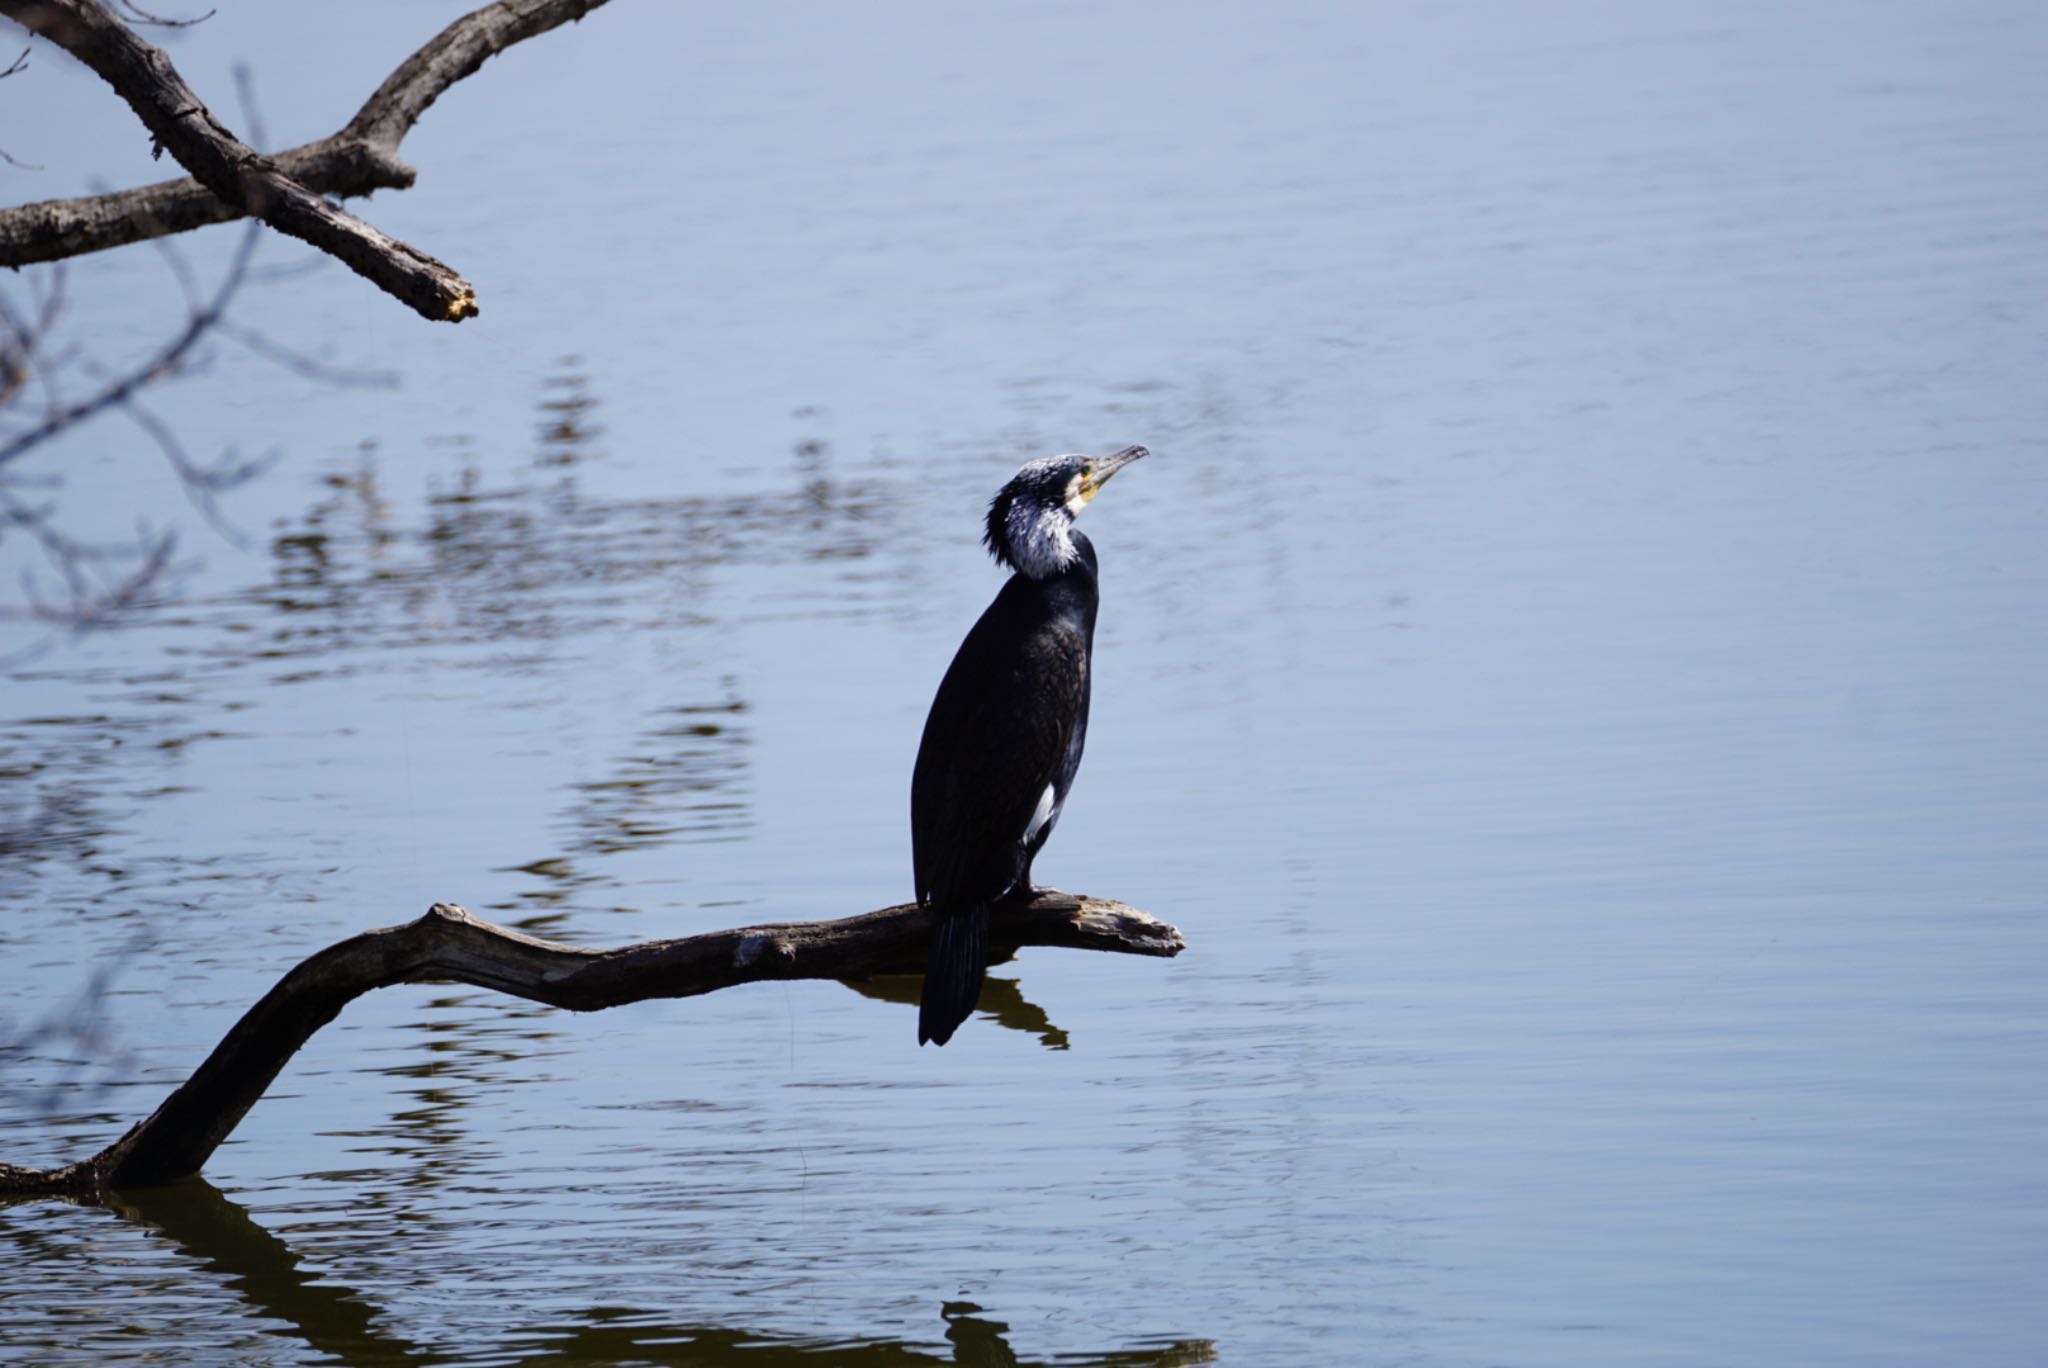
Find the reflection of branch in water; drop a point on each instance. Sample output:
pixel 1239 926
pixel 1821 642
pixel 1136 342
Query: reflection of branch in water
pixel 683 782
pixel 442 1074
pixel 527 564
pixel 264 1272
pixel 608 1335
pixel 332 1318
pixel 1002 1000
pixel 566 434
pixel 679 786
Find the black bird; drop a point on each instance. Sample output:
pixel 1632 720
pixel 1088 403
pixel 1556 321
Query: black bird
pixel 1004 737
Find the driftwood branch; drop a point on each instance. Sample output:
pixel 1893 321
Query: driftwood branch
pixel 287 191
pixel 450 945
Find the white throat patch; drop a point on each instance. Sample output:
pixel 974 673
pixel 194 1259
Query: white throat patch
pixel 1041 545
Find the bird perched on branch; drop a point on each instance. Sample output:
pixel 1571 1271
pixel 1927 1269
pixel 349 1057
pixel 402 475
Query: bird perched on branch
pixel 1004 737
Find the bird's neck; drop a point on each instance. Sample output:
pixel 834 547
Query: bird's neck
pixel 1076 575
pixel 1041 542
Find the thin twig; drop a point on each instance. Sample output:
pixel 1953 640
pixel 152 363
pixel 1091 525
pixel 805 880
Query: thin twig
pixel 164 362
pixel 298 363
pixel 100 582
pixel 144 16
pixel 202 485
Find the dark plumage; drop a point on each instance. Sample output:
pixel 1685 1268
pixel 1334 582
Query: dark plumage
pixel 1004 737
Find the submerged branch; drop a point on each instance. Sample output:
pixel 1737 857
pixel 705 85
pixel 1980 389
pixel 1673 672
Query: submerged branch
pixel 450 945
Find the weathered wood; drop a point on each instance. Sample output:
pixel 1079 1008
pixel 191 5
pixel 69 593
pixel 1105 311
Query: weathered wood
pixel 231 180
pixel 450 945
pixel 458 51
pixel 50 230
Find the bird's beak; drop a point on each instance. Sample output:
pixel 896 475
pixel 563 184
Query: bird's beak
pixel 1101 468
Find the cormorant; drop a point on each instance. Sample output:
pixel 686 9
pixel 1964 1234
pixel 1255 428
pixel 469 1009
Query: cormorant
pixel 1004 737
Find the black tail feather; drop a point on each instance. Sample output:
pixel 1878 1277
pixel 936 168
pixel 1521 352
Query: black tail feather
pixel 952 983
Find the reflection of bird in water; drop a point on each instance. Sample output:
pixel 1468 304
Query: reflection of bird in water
pixel 1004 737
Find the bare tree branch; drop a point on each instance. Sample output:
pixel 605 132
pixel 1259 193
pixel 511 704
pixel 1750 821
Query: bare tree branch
pixel 458 51
pixel 165 362
pixel 203 484
pixel 91 600
pixel 182 125
pixel 143 16
pixel 99 583
pixel 355 161
pixel 448 944
pixel 302 365
pixel 12 67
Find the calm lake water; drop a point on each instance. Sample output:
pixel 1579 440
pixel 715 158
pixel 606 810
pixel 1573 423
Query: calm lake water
pixel 1574 672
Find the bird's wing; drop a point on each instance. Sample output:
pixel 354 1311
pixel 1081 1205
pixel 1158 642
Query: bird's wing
pixel 998 731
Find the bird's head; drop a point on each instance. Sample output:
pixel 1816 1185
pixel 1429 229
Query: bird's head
pixel 1031 519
